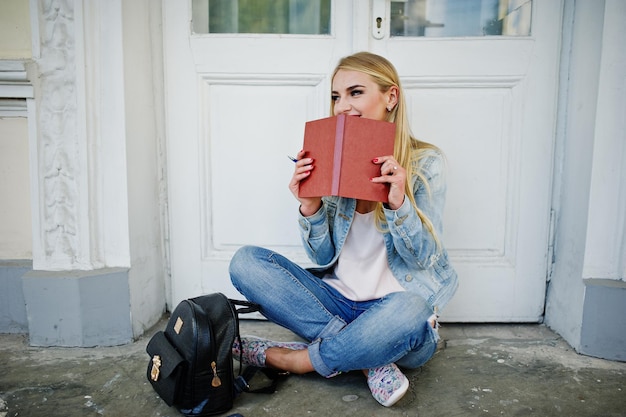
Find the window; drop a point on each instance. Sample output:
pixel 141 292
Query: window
pixel 309 17
pixel 455 18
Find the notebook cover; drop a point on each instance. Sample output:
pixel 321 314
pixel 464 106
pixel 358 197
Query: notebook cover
pixel 343 148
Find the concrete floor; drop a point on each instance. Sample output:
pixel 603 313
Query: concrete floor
pixel 480 370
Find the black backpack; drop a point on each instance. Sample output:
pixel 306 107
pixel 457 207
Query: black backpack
pixel 191 363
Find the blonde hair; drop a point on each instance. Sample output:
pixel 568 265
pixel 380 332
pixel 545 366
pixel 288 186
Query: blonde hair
pixel 408 151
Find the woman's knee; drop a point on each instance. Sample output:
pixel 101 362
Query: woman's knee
pixel 412 305
pixel 411 313
pixel 241 256
pixel 422 353
pixel 243 264
pixel 422 338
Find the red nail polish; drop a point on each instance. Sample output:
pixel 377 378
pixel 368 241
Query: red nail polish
pixel 375 160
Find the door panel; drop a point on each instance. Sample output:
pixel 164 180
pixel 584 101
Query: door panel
pixel 244 159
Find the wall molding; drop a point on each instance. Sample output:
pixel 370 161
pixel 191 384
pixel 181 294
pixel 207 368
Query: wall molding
pixel 78 139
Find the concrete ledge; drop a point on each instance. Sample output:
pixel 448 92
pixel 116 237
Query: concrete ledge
pixel 12 306
pixel 78 308
pixel 603 332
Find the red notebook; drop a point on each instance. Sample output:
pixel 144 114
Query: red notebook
pixel 343 148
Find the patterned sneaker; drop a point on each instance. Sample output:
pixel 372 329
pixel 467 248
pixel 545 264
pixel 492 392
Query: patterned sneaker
pixel 254 349
pixel 387 383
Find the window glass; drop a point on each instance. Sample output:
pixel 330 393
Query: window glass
pixel 453 18
pixel 309 17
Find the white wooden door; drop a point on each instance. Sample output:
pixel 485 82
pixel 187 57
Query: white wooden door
pixel 236 106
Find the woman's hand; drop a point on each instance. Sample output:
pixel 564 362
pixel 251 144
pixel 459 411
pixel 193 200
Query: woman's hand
pixel 304 166
pixel 393 174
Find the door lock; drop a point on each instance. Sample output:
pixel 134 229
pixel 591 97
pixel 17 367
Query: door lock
pixel 377 28
pixel 379 8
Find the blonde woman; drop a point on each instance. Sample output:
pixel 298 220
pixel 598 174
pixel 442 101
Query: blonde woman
pixel 383 269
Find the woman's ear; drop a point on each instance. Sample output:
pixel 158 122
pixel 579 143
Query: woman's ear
pixel 391 96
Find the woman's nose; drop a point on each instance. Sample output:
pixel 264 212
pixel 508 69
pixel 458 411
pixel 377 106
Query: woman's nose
pixel 341 107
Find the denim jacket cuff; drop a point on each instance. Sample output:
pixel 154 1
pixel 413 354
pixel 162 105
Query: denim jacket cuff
pixel 309 223
pixel 405 216
pixel 403 210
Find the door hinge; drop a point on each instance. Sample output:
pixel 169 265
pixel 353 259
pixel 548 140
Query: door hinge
pixel 551 238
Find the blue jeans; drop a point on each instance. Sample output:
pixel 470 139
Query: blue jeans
pixel 344 335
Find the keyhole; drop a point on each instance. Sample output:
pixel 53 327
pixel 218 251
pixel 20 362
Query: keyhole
pixel 379 21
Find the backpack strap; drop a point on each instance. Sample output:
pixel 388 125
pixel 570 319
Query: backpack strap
pixel 244 307
pixel 243 380
pixel 241 307
pixel 245 376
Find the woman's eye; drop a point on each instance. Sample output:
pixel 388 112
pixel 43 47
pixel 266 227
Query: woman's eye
pixel 334 98
pixel 356 92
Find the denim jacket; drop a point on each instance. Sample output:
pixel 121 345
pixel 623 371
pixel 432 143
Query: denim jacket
pixel 412 252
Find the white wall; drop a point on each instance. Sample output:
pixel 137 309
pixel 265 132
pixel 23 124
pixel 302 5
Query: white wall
pixel 145 168
pixel 15 221
pixel 589 180
pixel 14 29
pixel 605 255
pixel 95 146
pixel 582 35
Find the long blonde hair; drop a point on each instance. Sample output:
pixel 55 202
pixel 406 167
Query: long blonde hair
pixel 408 151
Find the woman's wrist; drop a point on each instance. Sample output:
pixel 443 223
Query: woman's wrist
pixel 390 206
pixel 309 210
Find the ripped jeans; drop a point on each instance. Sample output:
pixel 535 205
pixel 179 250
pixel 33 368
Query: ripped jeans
pixel 344 335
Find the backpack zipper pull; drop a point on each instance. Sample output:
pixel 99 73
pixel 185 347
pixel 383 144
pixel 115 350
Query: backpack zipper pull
pixel 216 382
pixel 156 368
